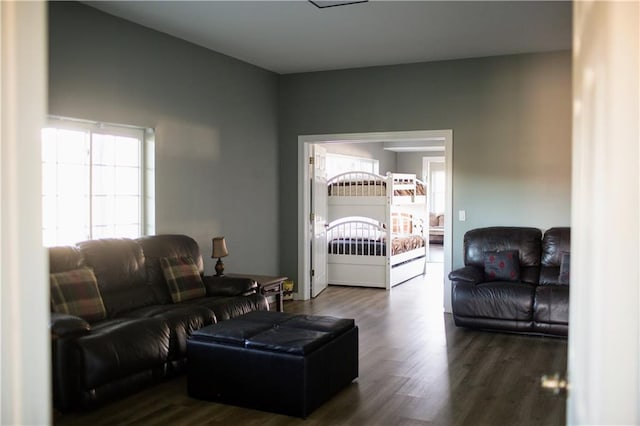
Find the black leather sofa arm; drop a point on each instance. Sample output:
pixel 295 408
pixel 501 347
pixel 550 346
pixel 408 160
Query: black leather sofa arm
pixel 64 325
pixel 467 274
pixel 229 286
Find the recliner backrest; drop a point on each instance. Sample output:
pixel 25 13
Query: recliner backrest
pixel 554 243
pixel 64 258
pixel 156 246
pixel 119 266
pixel 499 238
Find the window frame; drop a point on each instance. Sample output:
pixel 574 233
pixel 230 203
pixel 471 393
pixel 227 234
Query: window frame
pixel 145 173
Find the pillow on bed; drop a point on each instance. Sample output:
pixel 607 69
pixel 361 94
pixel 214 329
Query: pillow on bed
pixel 183 278
pixel 502 265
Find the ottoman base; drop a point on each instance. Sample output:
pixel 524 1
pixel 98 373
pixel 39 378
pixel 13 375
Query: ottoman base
pixel 275 380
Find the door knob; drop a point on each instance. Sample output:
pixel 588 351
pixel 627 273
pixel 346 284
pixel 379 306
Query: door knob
pixel 554 383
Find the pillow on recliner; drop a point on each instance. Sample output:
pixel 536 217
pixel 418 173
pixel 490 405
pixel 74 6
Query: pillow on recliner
pixel 565 261
pixel 502 265
pixel 183 278
pixel 76 292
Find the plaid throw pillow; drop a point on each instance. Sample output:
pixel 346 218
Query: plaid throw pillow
pixel 76 293
pixel 502 265
pixel 183 278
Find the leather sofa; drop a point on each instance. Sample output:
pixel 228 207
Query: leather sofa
pixel 534 302
pixel 142 334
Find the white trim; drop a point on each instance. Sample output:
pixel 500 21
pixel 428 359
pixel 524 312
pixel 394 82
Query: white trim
pixel 604 334
pixel 304 142
pixel 24 293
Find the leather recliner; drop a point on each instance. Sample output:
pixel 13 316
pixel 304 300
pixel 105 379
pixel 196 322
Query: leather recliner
pixel 143 338
pixel 536 303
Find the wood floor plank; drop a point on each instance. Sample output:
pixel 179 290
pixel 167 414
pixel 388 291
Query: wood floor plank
pixel 416 368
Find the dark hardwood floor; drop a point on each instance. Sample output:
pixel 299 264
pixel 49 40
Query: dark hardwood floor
pixel 416 368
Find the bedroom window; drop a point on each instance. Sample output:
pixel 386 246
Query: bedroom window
pixel 437 188
pixel 97 181
pixel 339 163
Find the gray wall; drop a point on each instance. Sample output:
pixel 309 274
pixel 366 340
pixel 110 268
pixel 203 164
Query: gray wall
pixel 511 121
pixel 411 162
pixel 214 116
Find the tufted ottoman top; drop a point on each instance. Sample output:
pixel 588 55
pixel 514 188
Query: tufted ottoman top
pixel 276 331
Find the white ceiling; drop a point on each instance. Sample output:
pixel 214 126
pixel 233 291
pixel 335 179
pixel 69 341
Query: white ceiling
pixel 295 36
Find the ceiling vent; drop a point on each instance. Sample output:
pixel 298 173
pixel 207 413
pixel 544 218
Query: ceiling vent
pixel 323 4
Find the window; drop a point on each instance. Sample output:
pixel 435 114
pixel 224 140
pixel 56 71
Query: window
pixel 338 163
pixel 94 181
pixel 437 187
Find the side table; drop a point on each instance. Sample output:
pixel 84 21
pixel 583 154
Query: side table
pixel 267 285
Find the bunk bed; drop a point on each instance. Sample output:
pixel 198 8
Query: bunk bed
pixel 376 231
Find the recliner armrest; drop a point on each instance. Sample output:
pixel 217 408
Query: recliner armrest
pixel 467 274
pixel 64 325
pixel 229 286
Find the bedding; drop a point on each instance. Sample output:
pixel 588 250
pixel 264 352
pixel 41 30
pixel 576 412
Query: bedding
pixel 358 184
pixel 372 188
pixel 377 247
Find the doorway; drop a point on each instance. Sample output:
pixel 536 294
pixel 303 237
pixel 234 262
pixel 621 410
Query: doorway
pixel 406 140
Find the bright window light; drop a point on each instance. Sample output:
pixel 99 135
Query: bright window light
pixel 93 181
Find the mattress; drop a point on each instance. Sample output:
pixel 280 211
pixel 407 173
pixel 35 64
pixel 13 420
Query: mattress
pixel 369 247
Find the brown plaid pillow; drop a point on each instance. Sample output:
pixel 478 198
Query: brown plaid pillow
pixel 183 278
pixel 76 293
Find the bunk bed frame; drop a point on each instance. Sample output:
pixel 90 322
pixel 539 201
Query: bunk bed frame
pixel 361 250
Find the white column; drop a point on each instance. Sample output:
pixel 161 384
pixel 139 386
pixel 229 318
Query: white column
pixel 604 336
pixel 24 291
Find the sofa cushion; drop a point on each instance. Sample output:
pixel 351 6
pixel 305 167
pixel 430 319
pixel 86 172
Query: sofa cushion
pixel 501 265
pixel 551 305
pixel 121 347
pixel 496 299
pixel 75 292
pixel 182 320
pixel 183 278
pixel 226 308
pixel 565 265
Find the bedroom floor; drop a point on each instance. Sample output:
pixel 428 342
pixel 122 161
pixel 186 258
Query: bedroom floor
pixel 436 253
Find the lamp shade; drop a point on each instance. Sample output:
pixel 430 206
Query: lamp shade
pixel 219 248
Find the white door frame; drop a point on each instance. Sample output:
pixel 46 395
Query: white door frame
pixel 604 330
pixel 304 143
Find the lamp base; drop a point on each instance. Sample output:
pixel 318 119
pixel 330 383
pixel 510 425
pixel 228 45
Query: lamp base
pixel 219 268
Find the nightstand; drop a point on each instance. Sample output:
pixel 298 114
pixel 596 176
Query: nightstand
pixel 267 285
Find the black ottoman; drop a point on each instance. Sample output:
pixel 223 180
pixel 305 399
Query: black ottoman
pixel 273 361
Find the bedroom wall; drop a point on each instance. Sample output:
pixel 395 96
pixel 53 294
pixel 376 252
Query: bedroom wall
pixel 511 122
pixel 411 162
pixel 214 117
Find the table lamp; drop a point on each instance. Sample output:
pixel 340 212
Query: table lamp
pixel 219 250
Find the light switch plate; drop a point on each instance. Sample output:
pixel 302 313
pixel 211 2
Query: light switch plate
pixel 462 215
